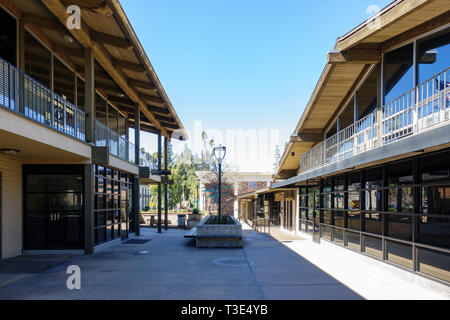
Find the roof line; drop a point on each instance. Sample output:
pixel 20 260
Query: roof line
pixel 126 25
pixel 370 19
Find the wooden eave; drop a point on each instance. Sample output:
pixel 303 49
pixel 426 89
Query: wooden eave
pixel 361 48
pixel 106 29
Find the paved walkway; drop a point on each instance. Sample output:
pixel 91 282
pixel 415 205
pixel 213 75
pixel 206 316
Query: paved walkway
pixel 170 267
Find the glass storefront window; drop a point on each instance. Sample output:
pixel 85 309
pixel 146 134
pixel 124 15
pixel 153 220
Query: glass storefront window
pixel 399 253
pixel 113 209
pixel 399 226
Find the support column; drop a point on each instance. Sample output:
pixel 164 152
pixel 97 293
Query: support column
pixel 384 208
pixel 362 206
pixel 137 133
pixel 89 185
pixel 380 90
pixel 159 183
pixel 21 65
pixel 21 46
pixel 355 107
pixel 136 207
pixel 89 93
pixel 166 196
pixel 137 186
pixel 416 222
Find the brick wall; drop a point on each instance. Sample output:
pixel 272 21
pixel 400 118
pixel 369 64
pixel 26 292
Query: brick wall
pixel 227 198
pixel 11 169
pixel 243 187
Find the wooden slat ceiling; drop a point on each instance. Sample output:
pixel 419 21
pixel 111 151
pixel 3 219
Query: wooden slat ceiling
pixel 126 76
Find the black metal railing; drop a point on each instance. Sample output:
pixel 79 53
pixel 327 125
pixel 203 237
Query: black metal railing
pixel 27 97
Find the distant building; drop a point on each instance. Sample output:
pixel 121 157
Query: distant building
pixel 238 184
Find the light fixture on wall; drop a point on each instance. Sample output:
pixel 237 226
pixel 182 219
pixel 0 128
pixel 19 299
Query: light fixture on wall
pixel 10 152
pixel 67 38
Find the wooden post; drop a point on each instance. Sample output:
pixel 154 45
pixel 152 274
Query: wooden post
pixel 159 183
pixel 137 189
pixel 379 73
pixel 89 93
pixel 166 196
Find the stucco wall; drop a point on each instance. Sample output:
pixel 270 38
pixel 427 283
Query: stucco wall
pixel 11 169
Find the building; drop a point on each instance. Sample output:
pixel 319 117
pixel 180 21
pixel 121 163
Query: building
pixel 69 95
pixel 235 185
pixel 368 164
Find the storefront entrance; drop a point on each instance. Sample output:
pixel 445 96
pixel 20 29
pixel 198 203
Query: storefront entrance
pixel 53 207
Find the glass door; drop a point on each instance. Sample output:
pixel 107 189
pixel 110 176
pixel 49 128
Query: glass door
pixel 53 211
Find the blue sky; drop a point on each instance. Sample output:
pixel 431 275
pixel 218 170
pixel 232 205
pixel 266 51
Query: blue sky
pixel 241 63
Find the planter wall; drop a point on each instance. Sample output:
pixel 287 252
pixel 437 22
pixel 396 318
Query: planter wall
pixel 219 235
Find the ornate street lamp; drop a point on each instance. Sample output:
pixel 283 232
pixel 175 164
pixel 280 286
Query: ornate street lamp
pixel 219 153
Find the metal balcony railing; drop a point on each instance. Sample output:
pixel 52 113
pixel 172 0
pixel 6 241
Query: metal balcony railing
pixel 419 109
pixel 118 146
pixel 24 95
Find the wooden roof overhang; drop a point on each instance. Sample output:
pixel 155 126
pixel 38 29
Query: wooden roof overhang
pixel 126 78
pixel 350 63
pixel 354 54
pixel 275 190
pixel 290 160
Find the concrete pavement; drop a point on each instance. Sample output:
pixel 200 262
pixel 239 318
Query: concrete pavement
pixel 170 267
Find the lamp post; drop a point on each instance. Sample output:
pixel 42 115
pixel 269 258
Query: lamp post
pixel 219 153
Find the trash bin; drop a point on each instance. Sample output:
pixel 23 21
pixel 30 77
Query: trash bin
pixel 181 220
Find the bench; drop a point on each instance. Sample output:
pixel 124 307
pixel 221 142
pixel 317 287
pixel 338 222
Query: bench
pixel 220 237
pixel 191 234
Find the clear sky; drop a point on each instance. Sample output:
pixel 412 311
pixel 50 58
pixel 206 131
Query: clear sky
pixel 242 64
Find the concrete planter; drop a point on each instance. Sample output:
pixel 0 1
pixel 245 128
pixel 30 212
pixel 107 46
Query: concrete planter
pixel 219 235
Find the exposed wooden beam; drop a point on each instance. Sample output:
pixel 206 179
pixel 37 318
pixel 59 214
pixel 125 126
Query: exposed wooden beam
pixel 100 7
pixel 73 52
pixel 110 40
pixel 165 119
pixel 128 65
pixel 158 110
pixel 31 19
pixel 142 84
pixel 152 99
pixel 169 125
pixel 121 101
pixel 107 86
pixel 355 55
pixel 432 24
pixel 102 56
pixel 310 137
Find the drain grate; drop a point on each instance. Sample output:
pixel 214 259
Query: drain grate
pixel 137 241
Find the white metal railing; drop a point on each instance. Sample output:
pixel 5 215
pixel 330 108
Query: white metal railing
pixel 421 108
pixel 118 146
pixel 27 97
